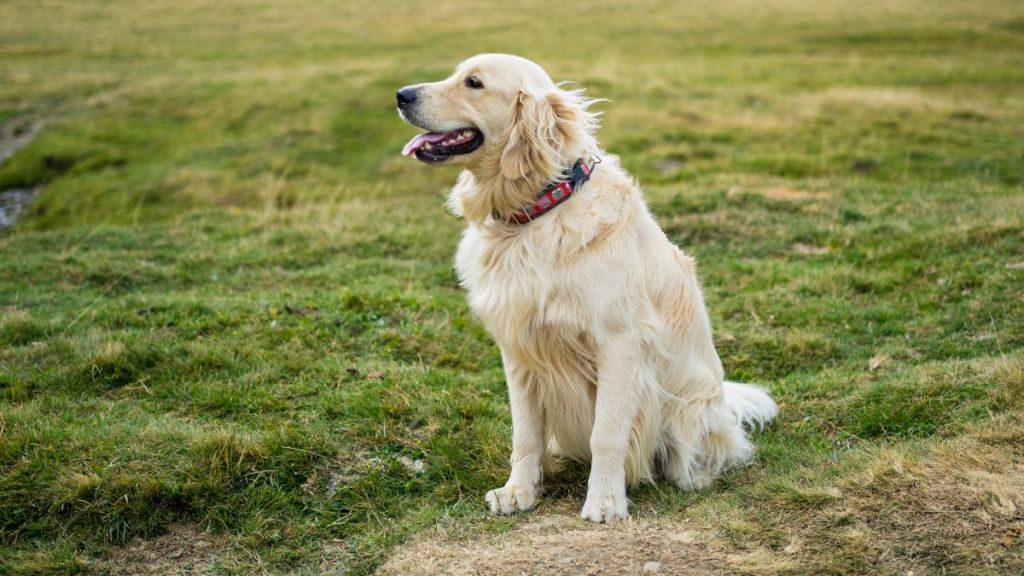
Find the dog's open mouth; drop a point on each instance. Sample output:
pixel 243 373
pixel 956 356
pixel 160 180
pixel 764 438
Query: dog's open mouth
pixel 439 146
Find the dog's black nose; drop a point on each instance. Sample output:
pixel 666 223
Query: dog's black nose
pixel 407 96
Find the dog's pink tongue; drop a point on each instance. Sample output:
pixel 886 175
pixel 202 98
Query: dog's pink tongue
pixel 416 143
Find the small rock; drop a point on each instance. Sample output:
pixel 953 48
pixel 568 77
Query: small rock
pixel 652 567
pixel 415 466
pixel 332 485
pixel 565 560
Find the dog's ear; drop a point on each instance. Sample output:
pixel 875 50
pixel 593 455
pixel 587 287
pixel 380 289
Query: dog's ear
pixel 545 131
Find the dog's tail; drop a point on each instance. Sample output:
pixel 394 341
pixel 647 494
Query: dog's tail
pixel 751 404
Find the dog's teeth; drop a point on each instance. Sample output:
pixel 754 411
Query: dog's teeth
pixel 467 133
pixel 428 146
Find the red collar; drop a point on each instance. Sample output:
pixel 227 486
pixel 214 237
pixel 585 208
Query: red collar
pixel 556 193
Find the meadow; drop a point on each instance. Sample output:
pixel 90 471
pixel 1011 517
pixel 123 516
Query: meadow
pixel 232 340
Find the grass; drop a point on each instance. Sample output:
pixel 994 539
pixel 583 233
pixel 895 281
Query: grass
pixel 233 305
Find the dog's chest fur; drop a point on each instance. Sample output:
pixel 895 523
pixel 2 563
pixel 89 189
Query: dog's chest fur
pixel 518 286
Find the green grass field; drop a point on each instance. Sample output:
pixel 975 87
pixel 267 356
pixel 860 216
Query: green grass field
pixel 231 312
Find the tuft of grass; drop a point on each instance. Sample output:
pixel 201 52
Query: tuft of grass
pixel 18 328
pixel 112 366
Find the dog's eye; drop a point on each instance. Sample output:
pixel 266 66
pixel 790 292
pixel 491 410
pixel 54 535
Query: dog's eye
pixel 474 83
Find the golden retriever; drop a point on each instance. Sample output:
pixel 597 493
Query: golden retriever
pixel 604 336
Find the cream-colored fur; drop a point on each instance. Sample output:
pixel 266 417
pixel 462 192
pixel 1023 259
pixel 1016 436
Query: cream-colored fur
pixel 603 332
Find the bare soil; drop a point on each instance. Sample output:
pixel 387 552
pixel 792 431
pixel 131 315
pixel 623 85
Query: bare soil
pixel 184 550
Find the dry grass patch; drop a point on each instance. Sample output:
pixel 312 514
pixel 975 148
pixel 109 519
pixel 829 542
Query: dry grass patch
pixel 787 194
pixel 893 98
pixel 958 507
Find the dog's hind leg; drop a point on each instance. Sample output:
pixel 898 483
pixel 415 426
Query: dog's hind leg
pixel 702 438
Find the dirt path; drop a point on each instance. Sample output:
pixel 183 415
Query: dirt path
pixel 14 135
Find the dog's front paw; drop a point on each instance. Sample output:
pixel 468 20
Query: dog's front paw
pixel 607 507
pixel 511 498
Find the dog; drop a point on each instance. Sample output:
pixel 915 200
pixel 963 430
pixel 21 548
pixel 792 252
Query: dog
pixel 604 336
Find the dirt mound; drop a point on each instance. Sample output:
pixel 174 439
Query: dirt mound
pixel 563 545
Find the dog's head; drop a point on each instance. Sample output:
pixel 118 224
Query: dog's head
pixel 500 112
